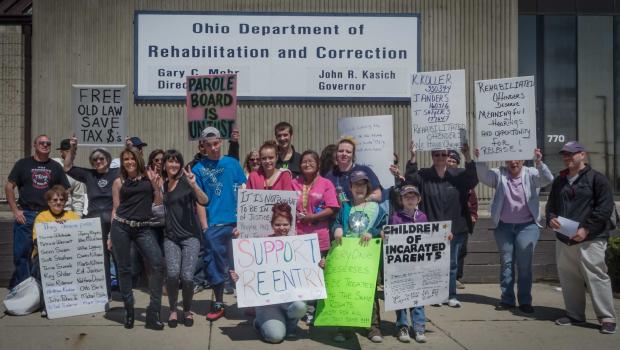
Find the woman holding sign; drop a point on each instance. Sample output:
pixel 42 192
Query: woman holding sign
pixel 56 197
pixel 182 233
pixel 267 177
pixel 515 213
pixel 275 322
pixel 134 193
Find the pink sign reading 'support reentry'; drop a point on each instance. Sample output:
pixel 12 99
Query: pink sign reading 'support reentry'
pixel 212 97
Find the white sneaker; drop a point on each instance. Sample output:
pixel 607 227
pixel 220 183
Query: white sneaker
pixel 454 303
pixel 403 334
pixel 420 337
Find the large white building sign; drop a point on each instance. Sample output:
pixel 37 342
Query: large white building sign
pixel 278 56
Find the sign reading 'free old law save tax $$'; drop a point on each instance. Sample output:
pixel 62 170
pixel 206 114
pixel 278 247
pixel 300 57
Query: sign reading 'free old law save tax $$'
pixel 277 55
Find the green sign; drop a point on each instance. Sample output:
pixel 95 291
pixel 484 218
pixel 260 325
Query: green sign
pixel 351 279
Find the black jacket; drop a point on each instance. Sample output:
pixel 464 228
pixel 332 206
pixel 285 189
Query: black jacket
pixel 588 200
pixel 445 198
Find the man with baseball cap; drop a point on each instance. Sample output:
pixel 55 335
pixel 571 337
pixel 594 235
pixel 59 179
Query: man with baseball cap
pixel 583 195
pixel 77 192
pixel 219 177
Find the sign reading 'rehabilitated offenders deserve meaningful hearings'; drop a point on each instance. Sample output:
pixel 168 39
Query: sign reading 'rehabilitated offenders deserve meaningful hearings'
pixel 506 118
pixel 211 101
pixel 375 146
pixel 99 113
pixel 416 264
pixel 72 270
pixel 438 114
pixel 351 280
pixel 278 56
pixel 254 211
pixel 275 270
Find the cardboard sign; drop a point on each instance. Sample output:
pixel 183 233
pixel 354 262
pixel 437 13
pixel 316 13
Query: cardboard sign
pixel 351 280
pixel 72 270
pixel 275 270
pixel 416 264
pixel 211 98
pixel 438 112
pixel 375 145
pixel 99 113
pixel 254 210
pixel 506 118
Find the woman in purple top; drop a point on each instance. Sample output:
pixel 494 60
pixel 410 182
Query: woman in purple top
pixel 410 198
pixel 515 212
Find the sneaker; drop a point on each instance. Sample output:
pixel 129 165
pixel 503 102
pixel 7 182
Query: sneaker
pixel 454 303
pixel 420 337
pixel 460 285
pixel 198 288
pixel 43 313
pixel 216 312
pixel 608 328
pixel 504 307
pixel 403 334
pixel 309 318
pixel 340 338
pixel 229 290
pixel 526 308
pixel 375 335
pixel 568 321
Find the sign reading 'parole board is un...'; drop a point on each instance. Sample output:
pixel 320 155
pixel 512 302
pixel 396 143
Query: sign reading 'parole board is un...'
pixel 254 211
pixel 416 264
pixel 438 114
pixel 274 270
pixel 72 270
pixel 99 113
pixel 211 101
pixel 506 118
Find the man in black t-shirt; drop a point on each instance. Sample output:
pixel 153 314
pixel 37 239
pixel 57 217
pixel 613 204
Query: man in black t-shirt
pixel 32 176
pixel 288 158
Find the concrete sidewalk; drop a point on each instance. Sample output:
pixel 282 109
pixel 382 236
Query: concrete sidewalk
pixel 474 326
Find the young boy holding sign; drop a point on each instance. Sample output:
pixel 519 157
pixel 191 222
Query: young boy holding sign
pixel 410 198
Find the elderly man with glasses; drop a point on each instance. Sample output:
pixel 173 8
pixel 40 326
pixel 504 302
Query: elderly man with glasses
pixel 32 176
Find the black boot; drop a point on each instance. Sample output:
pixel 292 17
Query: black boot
pixel 152 321
pixel 129 316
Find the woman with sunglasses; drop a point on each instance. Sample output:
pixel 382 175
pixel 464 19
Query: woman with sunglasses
pixel 251 162
pixel 98 180
pixel 444 193
pixel 133 194
pixel 516 215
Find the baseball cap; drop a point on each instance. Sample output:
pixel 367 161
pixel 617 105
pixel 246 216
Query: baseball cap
pixel 136 142
pixel 409 189
pixel 209 132
pixel 572 147
pixel 65 144
pixel 358 175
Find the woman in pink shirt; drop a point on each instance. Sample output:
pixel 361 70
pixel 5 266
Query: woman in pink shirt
pixel 267 177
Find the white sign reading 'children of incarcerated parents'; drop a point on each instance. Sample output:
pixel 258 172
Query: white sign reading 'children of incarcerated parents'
pixel 438 113
pixel 274 270
pixel 416 263
pixel 254 210
pixel 374 143
pixel 506 118
pixel 72 270
pixel 277 55
pixel 99 113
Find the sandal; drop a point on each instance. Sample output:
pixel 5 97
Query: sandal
pixel 188 319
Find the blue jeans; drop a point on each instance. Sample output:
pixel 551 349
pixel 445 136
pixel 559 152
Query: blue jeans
pixel 22 248
pixel 274 322
pixel 455 246
pixel 216 261
pixel 516 243
pixel 418 318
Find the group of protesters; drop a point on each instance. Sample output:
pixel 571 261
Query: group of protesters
pixel 181 218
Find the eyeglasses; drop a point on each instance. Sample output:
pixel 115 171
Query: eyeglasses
pixel 440 154
pixel 45 143
pixel 308 162
pixel 56 200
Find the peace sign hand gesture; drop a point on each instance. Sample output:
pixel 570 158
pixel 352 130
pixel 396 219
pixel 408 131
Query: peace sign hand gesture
pixel 189 175
pixel 154 177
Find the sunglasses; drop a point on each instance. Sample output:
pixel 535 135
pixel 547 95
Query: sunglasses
pixel 440 154
pixel 157 160
pixel 98 159
pixel 254 159
pixel 45 143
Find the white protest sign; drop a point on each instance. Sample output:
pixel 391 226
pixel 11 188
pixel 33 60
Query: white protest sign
pixel 99 113
pixel 438 112
pixel 274 270
pixel 375 146
pixel 506 118
pixel 254 210
pixel 72 270
pixel 416 264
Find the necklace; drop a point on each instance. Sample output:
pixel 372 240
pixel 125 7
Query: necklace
pixel 304 194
